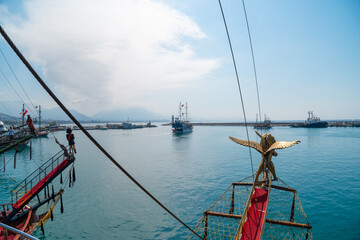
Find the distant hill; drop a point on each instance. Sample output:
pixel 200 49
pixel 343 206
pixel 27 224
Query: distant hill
pixel 6 117
pixel 134 114
pixel 58 114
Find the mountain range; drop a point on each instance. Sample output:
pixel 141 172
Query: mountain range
pixel 119 115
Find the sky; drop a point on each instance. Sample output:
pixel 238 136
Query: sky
pixel 104 55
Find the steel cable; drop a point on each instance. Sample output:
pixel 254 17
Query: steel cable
pixel 239 87
pixel 253 59
pixel 18 81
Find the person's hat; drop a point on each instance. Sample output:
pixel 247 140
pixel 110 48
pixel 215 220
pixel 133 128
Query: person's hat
pixel 68 130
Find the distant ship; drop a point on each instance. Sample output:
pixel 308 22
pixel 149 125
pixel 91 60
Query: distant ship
pixel 312 122
pixel 266 124
pixel 179 125
pixel 128 125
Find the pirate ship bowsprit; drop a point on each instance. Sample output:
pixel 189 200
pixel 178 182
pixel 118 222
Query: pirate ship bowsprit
pixel 32 200
pixel 257 207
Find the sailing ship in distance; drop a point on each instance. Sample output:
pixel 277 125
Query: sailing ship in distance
pixel 179 124
pixel 266 124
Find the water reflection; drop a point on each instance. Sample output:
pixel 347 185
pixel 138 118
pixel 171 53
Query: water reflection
pixel 313 136
pixel 188 172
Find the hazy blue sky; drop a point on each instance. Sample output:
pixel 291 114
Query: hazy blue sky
pixel 101 55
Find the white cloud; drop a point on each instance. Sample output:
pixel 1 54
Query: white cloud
pixel 108 54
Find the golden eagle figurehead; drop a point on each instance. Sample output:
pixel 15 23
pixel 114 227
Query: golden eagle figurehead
pixel 267 148
pixel 266 141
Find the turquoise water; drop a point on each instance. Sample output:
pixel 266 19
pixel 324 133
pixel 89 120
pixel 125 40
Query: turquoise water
pixel 187 173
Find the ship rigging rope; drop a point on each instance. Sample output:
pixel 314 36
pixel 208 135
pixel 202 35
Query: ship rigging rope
pixel 61 105
pixel 253 58
pixel 3 170
pixel 239 87
pixel 15 90
pixel 17 79
pixel 5 107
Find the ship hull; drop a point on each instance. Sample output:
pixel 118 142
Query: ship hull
pixel 181 127
pixel 182 130
pixel 322 124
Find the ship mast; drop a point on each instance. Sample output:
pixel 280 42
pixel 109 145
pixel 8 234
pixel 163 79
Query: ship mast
pixel 23 115
pixel 186 112
pixel 39 117
pixel 180 111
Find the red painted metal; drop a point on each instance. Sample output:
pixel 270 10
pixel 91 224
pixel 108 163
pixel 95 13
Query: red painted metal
pixel 254 222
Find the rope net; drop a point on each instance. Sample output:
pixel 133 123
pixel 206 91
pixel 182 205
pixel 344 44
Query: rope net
pixel 285 218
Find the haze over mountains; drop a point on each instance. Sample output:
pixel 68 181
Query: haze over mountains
pixel 133 114
pixel 13 110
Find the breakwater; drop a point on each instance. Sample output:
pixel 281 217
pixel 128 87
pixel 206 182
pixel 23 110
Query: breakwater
pixel 275 124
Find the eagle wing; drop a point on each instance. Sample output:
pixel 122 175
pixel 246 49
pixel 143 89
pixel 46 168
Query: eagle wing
pixel 281 145
pixel 248 144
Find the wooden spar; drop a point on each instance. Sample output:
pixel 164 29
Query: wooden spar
pixel 292 209
pixel 272 186
pixel 30 149
pixel 16 150
pixel 15 144
pixel 37 205
pixel 232 200
pixel 289 224
pixel 206 228
pixel 223 215
pixel 27 222
pixel 285 223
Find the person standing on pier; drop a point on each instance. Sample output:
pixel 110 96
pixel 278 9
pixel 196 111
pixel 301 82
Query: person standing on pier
pixel 11 134
pixel 71 139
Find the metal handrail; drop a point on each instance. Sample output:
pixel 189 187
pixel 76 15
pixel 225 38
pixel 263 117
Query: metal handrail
pixel 40 168
pixel 23 234
pixel 37 173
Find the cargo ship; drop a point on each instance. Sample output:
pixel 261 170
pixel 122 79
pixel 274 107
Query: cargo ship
pixel 312 122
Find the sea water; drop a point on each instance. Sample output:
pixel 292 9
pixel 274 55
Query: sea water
pixel 187 173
